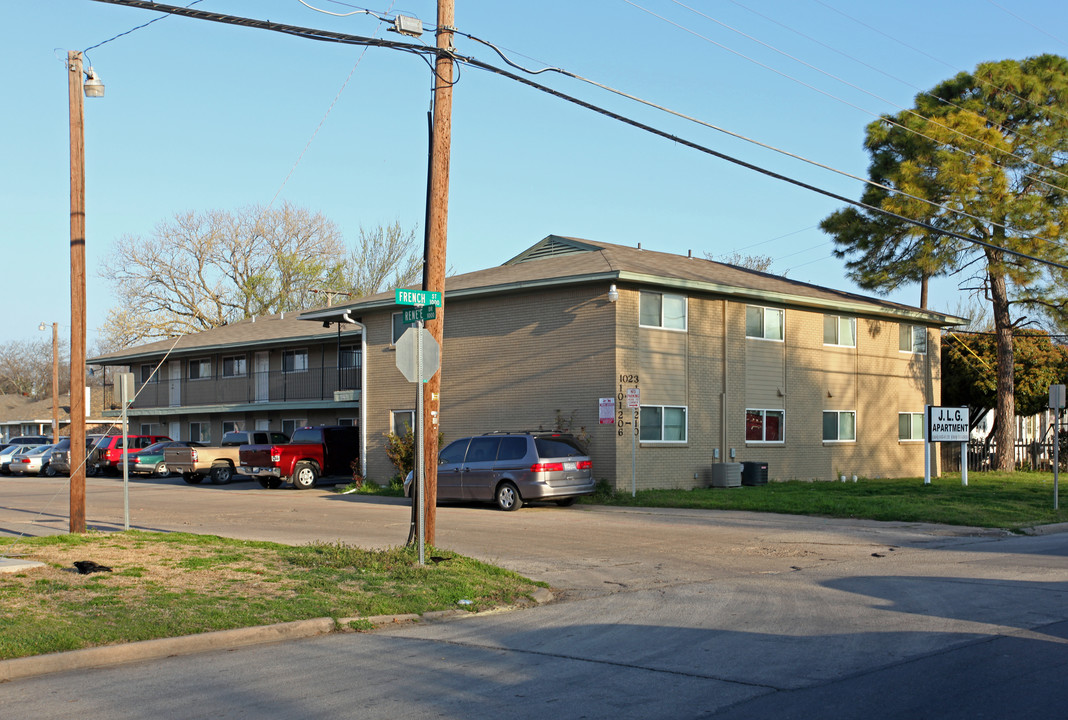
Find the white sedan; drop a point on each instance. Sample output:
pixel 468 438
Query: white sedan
pixel 33 461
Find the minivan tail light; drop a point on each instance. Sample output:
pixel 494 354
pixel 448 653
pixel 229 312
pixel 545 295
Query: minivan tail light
pixel 546 467
pixel 276 454
pixel 584 465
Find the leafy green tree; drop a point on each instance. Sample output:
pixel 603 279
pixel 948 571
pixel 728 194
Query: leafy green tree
pixel 981 155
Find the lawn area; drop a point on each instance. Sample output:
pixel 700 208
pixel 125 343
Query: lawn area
pixel 999 500
pixel 172 584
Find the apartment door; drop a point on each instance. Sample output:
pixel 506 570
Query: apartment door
pixel 262 370
pixel 174 379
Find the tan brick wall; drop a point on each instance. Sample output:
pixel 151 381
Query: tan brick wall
pixel 523 360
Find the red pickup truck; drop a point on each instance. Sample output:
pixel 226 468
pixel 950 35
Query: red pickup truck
pixel 312 453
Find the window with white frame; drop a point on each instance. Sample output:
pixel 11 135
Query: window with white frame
pixel 663 423
pixel 346 422
pixel 148 429
pixel 765 425
pixel 234 366
pixel 764 322
pixel 289 426
pixel 231 426
pixel 910 426
pixel 200 432
pixel 200 369
pixel 839 330
pixel 148 374
pixel 913 339
pixel 662 310
pixel 402 421
pixel 840 425
pixel 295 360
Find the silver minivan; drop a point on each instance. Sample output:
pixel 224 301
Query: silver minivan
pixel 512 468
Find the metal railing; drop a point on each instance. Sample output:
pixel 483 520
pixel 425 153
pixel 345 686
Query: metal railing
pixel 254 387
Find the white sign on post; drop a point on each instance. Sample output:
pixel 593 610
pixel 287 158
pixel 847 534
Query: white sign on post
pixel 946 424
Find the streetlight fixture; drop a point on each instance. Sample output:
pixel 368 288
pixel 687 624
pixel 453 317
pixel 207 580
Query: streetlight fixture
pixel 93 86
pixel 55 378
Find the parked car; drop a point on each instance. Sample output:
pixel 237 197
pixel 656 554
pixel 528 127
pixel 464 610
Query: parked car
pixel 152 460
pixel 34 461
pixel 34 440
pixel 60 463
pixel 108 452
pixel 513 468
pixel 10 454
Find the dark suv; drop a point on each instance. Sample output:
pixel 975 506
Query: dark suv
pixel 60 461
pixel 512 468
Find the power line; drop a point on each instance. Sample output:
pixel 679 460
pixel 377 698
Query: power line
pixel 884 118
pixel 327 36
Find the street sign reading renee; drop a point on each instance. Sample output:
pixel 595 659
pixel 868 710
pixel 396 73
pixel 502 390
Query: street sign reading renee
pixel 947 424
pixel 417 297
pixel 416 314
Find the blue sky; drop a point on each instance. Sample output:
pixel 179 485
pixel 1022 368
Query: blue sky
pixel 200 116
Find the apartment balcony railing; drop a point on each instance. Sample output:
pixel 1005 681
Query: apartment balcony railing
pixel 253 387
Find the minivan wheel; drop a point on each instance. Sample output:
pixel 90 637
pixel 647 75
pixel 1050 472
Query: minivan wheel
pixel 508 497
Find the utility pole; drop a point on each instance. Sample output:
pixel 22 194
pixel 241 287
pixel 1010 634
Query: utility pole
pixel 437 226
pixel 55 383
pixel 77 292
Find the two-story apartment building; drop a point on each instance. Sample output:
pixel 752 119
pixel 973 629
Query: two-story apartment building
pixel 270 372
pixel 728 364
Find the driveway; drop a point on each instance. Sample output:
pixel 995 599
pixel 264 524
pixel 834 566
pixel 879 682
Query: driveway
pixel 663 614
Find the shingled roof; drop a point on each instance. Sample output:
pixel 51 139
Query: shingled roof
pixel 559 260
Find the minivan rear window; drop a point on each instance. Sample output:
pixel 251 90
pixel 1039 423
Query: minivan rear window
pixel 556 447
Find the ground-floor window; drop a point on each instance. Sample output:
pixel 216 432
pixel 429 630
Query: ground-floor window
pixel 402 421
pixel 288 426
pixel 910 426
pixel 765 425
pixel 840 425
pixel 231 426
pixel 663 423
pixel 200 432
pixel 346 422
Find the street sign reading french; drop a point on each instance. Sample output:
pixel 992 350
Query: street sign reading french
pixel 947 424
pixel 417 297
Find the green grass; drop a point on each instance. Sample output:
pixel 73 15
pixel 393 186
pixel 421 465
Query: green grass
pixel 998 500
pixel 178 584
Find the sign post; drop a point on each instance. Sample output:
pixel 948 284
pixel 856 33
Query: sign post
pixel 1056 404
pixel 946 424
pixel 634 398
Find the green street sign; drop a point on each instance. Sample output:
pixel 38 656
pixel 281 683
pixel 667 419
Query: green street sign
pixel 428 312
pixel 417 297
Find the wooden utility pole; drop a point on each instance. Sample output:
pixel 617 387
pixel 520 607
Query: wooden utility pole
pixel 434 272
pixel 77 292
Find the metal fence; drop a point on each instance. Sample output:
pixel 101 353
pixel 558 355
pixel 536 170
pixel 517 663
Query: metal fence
pixel 253 387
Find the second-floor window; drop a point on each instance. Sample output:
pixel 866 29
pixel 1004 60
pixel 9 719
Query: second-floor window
pixel 234 366
pixel 199 369
pixel 294 360
pixel 913 339
pixel 349 357
pixel 147 374
pixel 839 331
pixel 662 310
pixel 764 323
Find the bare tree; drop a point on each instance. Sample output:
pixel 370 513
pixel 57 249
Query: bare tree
pixel 760 263
pixel 383 258
pixel 200 271
pixel 26 368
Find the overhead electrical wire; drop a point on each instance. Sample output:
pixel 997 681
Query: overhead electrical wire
pixel 1027 22
pixel 866 111
pixel 327 36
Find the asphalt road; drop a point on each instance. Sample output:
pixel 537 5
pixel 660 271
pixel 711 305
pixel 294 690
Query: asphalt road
pixel 661 614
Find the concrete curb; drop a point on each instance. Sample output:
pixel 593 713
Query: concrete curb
pixel 19 668
pixel 1051 529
